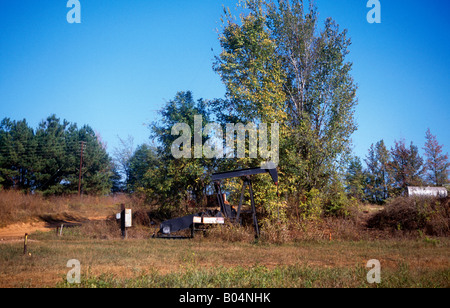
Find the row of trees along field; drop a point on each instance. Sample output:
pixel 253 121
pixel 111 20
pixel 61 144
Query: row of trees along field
pixel 390 172
pixel 47 158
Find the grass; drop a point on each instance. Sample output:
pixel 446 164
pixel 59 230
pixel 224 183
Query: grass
pixel 322 253
pixel 208 263
pixel 263 277
pixel 294 276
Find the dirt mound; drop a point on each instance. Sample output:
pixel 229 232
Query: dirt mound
pixel 63 218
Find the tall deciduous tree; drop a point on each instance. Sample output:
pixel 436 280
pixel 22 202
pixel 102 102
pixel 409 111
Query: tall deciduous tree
pixel 278 65
pixel 437 163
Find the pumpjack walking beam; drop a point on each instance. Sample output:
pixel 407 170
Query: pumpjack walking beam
pixel 246 175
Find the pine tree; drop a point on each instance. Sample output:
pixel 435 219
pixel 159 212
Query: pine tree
pixel 378 179
pixel 47 159
pixel 406 167
pixel 355 179
pixel 436 164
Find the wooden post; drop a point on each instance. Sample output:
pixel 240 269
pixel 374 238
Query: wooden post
pixel 255 219
pixel 122 221
pixel 25 244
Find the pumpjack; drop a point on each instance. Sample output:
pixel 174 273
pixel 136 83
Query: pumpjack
pixel 226 210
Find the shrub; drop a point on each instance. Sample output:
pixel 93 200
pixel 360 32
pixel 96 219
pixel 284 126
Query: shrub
pixel 408 214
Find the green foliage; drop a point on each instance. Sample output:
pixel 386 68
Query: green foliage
pixel 337 202
pixel 156 172
pixel 277 65
pixel 390 172
pixel 143 159
pixel 355 179
pixel 405 167
pixel 378 180
pixel 48 159
pixel 437 163
pixel 251 71
pixel 311 207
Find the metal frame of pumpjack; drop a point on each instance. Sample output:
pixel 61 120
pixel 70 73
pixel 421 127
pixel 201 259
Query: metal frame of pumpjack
pixel 245 174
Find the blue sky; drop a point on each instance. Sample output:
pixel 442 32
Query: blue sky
pixel 115 69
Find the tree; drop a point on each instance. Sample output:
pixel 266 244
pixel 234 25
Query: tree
pixel 57 163
pixel 251 71
pixel 378 179
pixel 406 167
pixel 355 179
pixel 122 157
pixel 18 154
pixel 48 159
pixel 173 180
pixel 143 160
pixel 436 164
pixel 277 65
pixel 97 164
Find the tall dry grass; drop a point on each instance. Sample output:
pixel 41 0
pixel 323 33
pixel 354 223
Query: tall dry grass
pixel 16 206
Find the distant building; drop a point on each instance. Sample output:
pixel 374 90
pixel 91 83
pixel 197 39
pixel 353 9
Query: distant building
pixel 440 192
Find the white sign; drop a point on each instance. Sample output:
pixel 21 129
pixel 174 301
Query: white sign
pixel 208 220
pixel 197 220
pixel 127 218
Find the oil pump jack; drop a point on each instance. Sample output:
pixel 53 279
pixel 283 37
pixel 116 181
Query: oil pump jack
pixel 226 211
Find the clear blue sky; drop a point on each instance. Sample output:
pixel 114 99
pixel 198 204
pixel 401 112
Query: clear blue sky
pixel 127 58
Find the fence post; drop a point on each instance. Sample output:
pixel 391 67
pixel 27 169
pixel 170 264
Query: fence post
pixel 25 244
pixel 122 221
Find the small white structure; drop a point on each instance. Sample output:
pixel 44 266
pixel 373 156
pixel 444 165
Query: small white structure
pixel 127 218
pixel 440 192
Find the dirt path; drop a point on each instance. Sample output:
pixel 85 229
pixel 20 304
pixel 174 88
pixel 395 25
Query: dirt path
pixel 14 231
pixel 19 229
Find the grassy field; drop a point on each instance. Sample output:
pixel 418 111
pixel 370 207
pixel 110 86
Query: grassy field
pixel 328 253
pixel 204 262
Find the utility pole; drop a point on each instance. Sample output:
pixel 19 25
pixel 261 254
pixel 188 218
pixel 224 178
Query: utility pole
pixel 81 165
